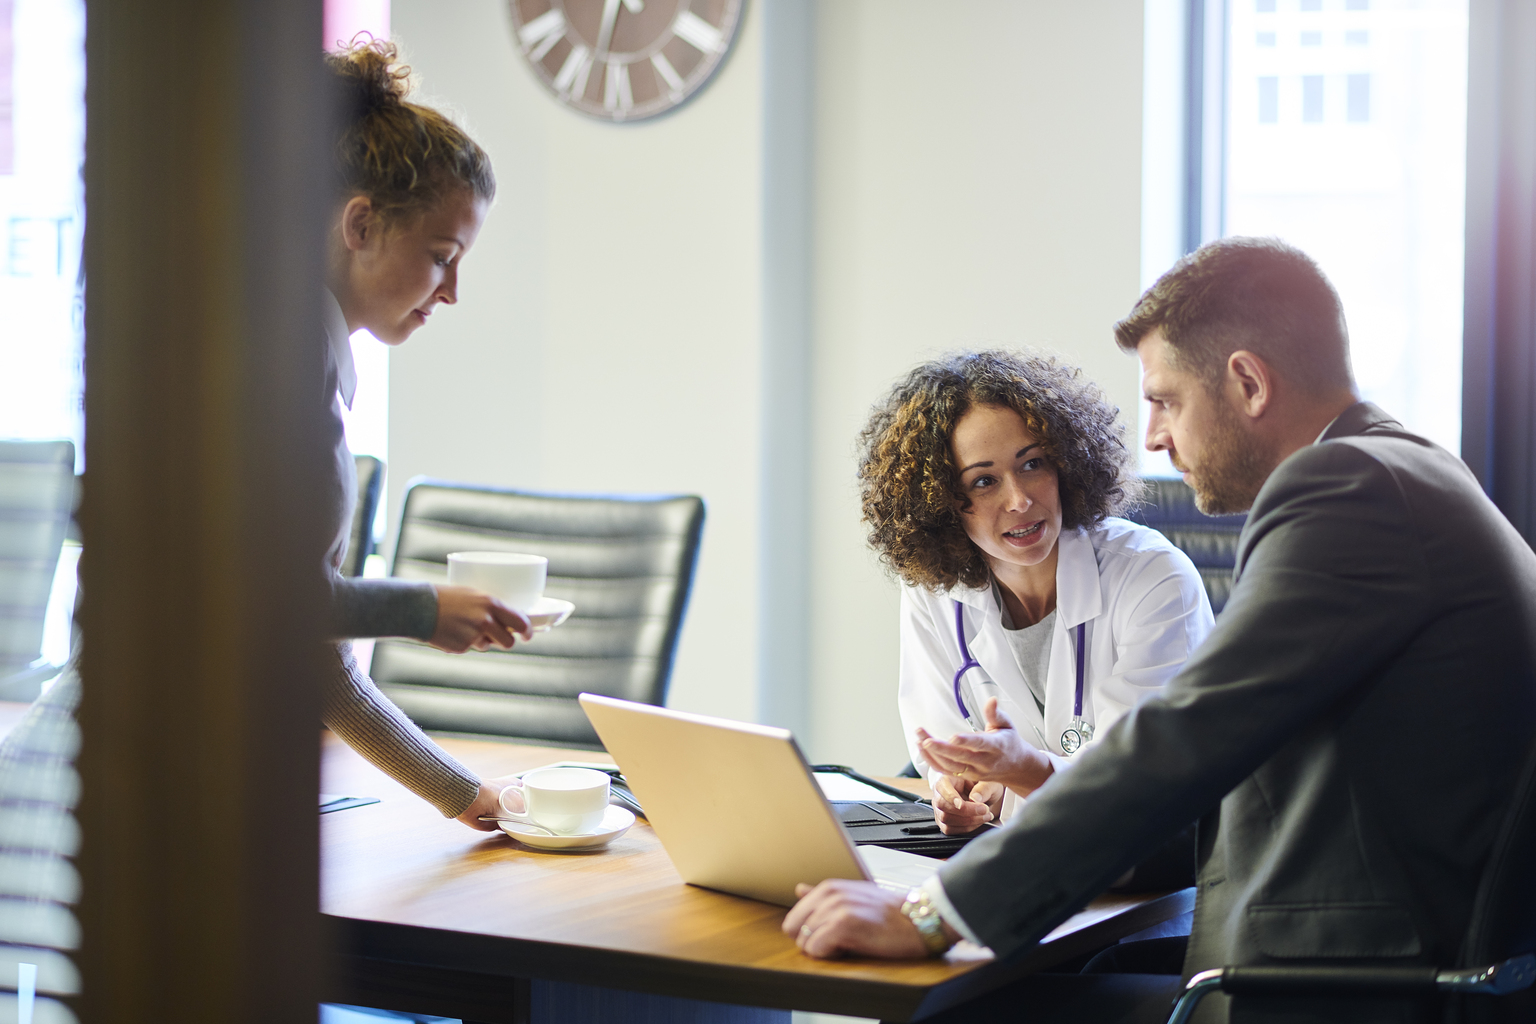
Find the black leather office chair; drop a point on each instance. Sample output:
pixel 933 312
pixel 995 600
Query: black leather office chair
pixel 1209 541
pixel 37 497
pixel 1498 954
pixel 370 481
pixel 626 563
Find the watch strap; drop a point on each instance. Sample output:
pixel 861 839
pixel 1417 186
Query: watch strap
pixel 924 916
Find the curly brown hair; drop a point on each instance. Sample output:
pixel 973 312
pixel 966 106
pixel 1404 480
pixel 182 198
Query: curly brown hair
pixel 910 486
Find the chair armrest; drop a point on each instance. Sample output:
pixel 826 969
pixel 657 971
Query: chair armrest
pixel 1512 975
pixel 1331 981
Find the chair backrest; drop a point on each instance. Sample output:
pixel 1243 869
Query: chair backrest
pixel 37 496
pixel 1504 912
pixel 370 481
pixel 626 563
pixel 1209 541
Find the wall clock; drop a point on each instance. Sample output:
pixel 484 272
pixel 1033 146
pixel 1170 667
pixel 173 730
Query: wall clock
pixel 625 60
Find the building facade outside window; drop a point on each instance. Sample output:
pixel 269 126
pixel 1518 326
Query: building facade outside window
pixel 42 218
pixel 1341 127
pixel 1347 138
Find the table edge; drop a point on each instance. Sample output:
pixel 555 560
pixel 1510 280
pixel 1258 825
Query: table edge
pixel 496 963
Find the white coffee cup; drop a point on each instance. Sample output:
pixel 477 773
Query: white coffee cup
pixel 513 578
pixel 567 801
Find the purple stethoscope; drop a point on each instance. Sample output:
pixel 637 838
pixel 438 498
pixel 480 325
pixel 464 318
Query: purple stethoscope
pixel 1077 731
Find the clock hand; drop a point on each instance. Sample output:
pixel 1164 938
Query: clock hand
pixel 610 16
pixel 605 30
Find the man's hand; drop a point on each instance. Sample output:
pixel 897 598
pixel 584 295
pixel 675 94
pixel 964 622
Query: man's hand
pixel 469 618
pixel 961 806
pixel 997 755
pixel 841 917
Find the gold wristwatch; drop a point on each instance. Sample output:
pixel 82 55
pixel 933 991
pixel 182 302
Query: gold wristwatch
pixel 925 918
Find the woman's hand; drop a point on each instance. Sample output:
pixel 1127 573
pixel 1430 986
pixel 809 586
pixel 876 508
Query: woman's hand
pixel 997 755
pixel 488 803
pixel 961 806
pixel 469 618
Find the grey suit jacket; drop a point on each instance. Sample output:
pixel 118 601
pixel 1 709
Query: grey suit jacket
pixel 1347 734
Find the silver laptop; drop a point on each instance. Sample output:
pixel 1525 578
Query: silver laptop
pixel 736 806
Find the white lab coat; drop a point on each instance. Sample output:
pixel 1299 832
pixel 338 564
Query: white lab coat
pixel 1145 611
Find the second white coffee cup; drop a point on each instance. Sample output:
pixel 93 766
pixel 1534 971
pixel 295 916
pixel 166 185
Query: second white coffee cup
pixel 514 578
pixel 567 801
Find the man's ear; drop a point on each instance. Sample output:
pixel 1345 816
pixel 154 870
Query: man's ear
pixel 358 223
pixel 1251 382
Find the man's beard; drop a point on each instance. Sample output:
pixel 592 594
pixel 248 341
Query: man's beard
pixel 1232 468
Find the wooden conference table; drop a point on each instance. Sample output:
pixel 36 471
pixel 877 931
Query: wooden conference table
pixel 433 918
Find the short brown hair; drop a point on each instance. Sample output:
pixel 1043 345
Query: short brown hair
pixel 1258 294
pixel 910 485
pixel 402 156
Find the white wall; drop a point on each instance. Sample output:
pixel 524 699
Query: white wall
pixel 976 181
pixel 607 336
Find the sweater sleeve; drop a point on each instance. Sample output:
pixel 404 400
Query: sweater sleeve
pixel 362 607
pixel 354 708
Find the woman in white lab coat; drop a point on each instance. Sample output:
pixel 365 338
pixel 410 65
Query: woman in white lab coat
pixel 1031 618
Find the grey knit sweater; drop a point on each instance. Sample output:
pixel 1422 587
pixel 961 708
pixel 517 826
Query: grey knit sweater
pixel 352 705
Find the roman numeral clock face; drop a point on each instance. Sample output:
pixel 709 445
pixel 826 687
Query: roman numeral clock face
pixel 624 60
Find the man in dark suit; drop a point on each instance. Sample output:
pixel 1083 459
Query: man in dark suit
pixel 1349 733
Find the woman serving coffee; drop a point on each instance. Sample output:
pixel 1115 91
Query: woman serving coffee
pixel 412 190
pixel 1031 617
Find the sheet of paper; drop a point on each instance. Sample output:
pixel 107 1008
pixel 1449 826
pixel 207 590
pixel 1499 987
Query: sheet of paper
pixel 837 786
pixel 897 868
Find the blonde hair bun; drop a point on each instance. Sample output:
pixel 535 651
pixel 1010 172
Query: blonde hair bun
pixel 404 157
pixel 369 76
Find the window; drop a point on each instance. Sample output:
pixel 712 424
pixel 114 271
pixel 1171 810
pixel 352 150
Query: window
pixel 1312 98
pixel 7 63
pixel 42 215
pixel 1269 99
pixel 1354 151
pixel 1359 98
pixel 1366 173
pixel 1266 39
pixel 1311 39
pixel 42 143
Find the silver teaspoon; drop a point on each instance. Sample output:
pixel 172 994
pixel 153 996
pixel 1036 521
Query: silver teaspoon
pixel 519 821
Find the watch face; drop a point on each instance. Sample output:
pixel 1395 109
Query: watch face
pixel 624 60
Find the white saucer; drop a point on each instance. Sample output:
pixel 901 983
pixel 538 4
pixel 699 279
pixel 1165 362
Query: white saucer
pixel 549 612
pixel 616 821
